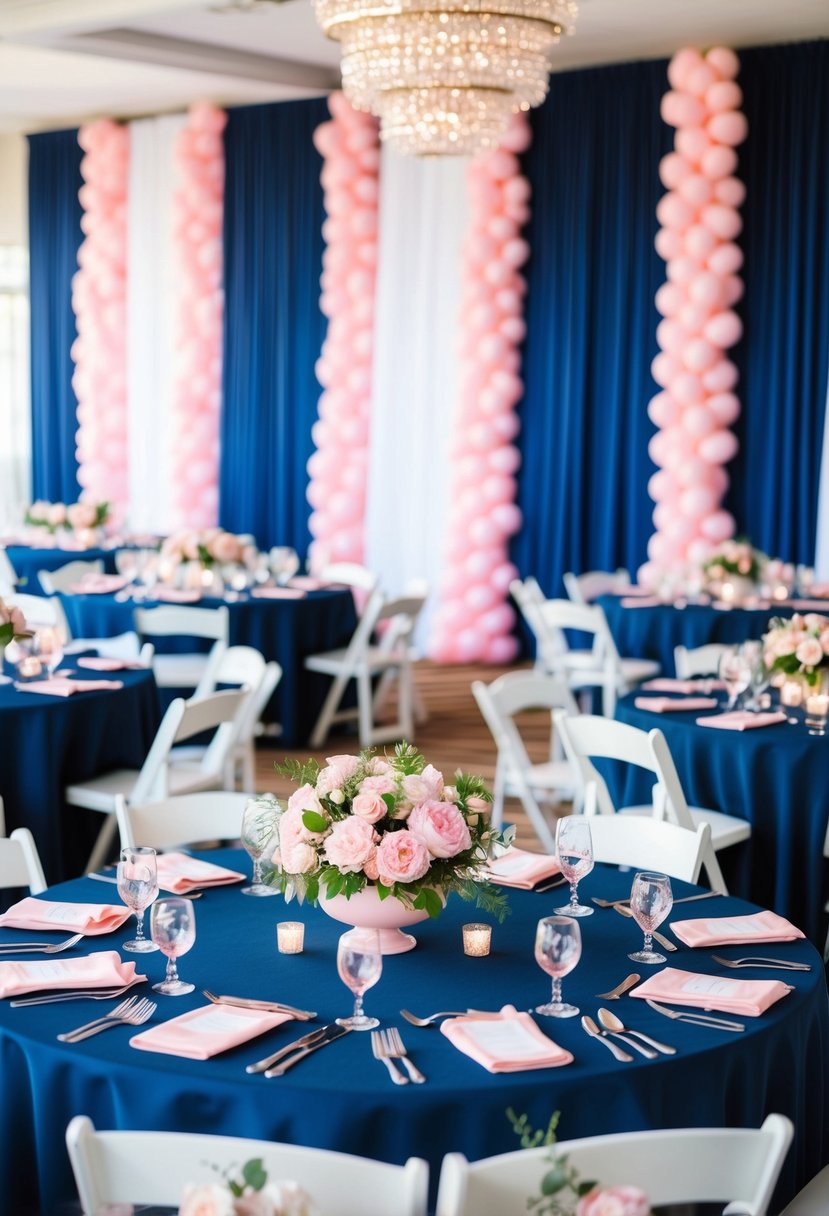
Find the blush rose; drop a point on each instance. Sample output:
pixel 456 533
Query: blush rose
pixel 401 857
pixel 350 844
pixel 441 827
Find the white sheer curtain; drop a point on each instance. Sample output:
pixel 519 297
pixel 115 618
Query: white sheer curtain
pixel 822 542
pixel 423 215
pixel 150 299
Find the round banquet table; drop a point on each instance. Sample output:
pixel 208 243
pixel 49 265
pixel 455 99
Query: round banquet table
pixel 341 1098
pixel 51 742
pixel 774 776
pixel 28 559
pixel 286 630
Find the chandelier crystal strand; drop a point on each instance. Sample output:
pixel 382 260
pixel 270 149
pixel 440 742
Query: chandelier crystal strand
pixel 444 76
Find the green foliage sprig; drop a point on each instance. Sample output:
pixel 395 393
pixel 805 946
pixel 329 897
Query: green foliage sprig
pixel 561 1185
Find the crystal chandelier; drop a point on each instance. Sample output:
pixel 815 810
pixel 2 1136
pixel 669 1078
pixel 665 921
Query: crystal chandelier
pixel 443 76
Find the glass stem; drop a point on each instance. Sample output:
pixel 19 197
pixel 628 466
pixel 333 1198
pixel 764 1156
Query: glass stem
pixel 358 1006
pixel 139 931
pixel 574 894
pixel 556 998
pixel 257 871
pixel 172 972
pixel 648 946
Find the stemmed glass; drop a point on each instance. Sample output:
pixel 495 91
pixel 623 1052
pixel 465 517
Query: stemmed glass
pixel 574 846
pixel 173 929
pixel 557 950
pixel 260 821
pixel 359 965
pixel 735 673
pixel 651 899
pixel 49 648
pixel 138 887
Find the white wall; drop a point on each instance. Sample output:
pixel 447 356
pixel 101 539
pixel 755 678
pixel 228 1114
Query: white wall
pixel 13 194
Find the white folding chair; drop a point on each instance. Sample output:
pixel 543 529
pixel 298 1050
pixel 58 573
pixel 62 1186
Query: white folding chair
pixel 700 661
pixel 364 659
pixel 8 574
pixel 158 777
pixel 66 576
pixel 734 1166
pixel 175 620
pixel 813 1200
pixel 43 612
pixel 515 774
pixel 19 862
pixel 592 736
pixel 210 815
pixel 351 574
pixel 153 1168
pixel 123 646
pixel 650 844
pixel 584 588
pixel 550 644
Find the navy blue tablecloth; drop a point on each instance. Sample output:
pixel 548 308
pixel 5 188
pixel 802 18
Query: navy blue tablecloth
pixel 285 630
pixel 341 1098
pixel 28 560
pixel 51 742
pixel 776 778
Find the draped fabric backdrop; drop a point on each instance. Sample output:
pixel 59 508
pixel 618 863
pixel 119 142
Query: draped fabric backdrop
pixel 591 322
pixel 54 238
pixel 273 327
pixel 423 215
pixel 150 299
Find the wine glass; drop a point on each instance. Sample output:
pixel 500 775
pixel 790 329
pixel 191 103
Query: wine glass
pixel 735 673
pixel 260 823
pixel 557 950
pixel 574 846
pixel 138 887
pixel 651 899
pixel 359 965
pixel 48 646
pixel 173 929
pixel 760 680
pixel 126 563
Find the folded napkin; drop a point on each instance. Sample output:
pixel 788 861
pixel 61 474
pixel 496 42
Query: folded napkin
pixel 59 686
pixel 508 1041
pixel 635 592
pixel 90 919
pixel 99 584
pixel 278 593
pixel 177 595
pixel 746 998
pixel 809 605
pixel 517 868
pixel 643 601
pixel 735 930
pixel 106 664
pixel 665 705
pixel 741 719
pixel 178 872
pixel 205 1032
pixel 104 969
pixel 305 583
pixel 669 684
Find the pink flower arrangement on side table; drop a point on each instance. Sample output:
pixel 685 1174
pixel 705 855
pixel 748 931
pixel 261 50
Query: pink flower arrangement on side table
pixel 388 822
pixel 798 647
pixel 81 518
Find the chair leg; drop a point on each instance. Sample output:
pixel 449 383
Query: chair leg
pixel 406 702
pixel 497 812
pixel 364 708
pixel 329 708
pixel 536 818
pixel 100 851
pixel 247 757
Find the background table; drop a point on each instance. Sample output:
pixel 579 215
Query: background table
pixel 51 742
pixel 775 777
pixel 286 630
pixel 341 1098
pixel 28 559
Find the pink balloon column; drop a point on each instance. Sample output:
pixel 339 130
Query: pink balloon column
pixel 99 303
pixel 473 620
pixel 198 206
pixel 700 222
pixel 338 469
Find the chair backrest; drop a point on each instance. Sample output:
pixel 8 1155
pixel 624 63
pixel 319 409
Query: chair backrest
pixel 700 661
pixel 43 611
pixel 19 862
pixel 233 665
pixel 650 844
pixel 511 694
pixel 122 646
pixel 352 574
pixel 734 1166
pixel 65 577
pixel 154 1167
pixel 584 588
pixel 211 815
pixel 401 614
pixel 8 574
pixel 176 620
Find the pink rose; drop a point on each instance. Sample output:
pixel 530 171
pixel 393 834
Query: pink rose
pixel 381 784
pixel 225 547
pixel 441 827
pixel 809 652
pixel 82 515
pixel 377 766
pixel 339 769
pixel 56 515
pixel 212 1199
pixel 369 807
pixel 305 799
pixel 349 845
pixel 614 1201
pixel 370 868
pixel 401 857
pixel 296 850
pixel 425 786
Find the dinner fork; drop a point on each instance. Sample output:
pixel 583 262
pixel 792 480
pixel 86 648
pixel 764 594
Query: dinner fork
pixel 125 1007
pixel 39 948
pixel 382 1051
pixel 779 964
pixel 82 994
pixel 398 1052
pixel 137 1016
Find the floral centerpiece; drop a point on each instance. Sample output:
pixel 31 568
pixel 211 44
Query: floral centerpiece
pixel 386 823
pixel 734 560
pixel 798 647
pixel 81 518
pixel 207 547
pixel 12 624
pixel 248 1194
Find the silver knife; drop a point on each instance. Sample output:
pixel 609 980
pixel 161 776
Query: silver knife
pixel 245 1002
pixel 334 1032
pixel 697 1019
pixel 305 1041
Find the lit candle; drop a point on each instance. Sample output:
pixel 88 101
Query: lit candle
pixel 791 693
pixel 727 593
pixel 30 667
pixel 817 708
pixel 781 592
pixel 290 937
pixel 476 940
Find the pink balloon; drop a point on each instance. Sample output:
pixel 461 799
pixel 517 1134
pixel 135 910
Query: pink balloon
pixel 327 139
pixel 721 378
pixel 724 329
pixel 729 127
pixel 724 62
pixel 505 459
pixel 723 95
pixel 671 337
pixel 700 242
pixel 498 488
pixel 673 169
pixel 517 190
pixel 692 472
pixel 662 488
pixel 648 575
pixel 507 518
pixel 518 135
pixel 503 575
pixel 699 551
pixel 515 252
pixel 668 244
pixel 664 369
pixel 718 527
pixel 706 290
pixel 514 329
pixel 660 448
pixel 673 212
pixel 498 620
pixel 682 64
pixel 698 502
pixel 700 80
pixel 663 411
pixel 725 222
pixel 719 447
pixel 682 270
pixel 733 289
pixel 726 260
pixel 700 354
pixel 730 191
pixel 718 162
pixel 681 110
pixel 686 388
pixel 692 142
pixel 698 421
pixel 724 407
pixel 501 650
pixel 696 190
pixel 693 317
pixel 669 299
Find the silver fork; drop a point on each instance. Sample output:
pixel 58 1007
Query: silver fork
pixel 86 994
pixel 398 1051
pixel 432 1018
pixel 778 964
pixel 39 948
pixel 381 1051
pixel 137 1016
pixel 124 1007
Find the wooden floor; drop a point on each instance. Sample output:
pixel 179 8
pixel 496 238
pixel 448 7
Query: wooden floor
pixel 454 736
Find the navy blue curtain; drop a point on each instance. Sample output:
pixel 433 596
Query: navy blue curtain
pixel 273 328
pixel 784 356
pixel 54 237
pixel 591 322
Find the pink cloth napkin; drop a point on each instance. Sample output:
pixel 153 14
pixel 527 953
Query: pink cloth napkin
pixel 90 919
pixel 644 601
pixel 669 684
pixel 746 998
pixel 99 584
pixel 517 868
pixel 508 1041
pixel 665 705
pixel 736 930
pixel 207 1031
pixel 741 719
pixel 62 687
pixel 177 595
pixel 278 593
pixel 634 592
pixel 106 664
pixel 104 969
pixel 810 605
pixel 178 872
pixel 305 583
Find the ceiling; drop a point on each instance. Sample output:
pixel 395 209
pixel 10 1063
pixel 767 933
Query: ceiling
pixel 65 61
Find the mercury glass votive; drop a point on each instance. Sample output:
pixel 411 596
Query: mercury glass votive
pixel 791 693
pixel 817 710
pixel 29 667
pixel 477 940
pixel 290 937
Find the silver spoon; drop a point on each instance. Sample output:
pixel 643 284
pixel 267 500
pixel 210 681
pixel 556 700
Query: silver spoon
pixel 616 1026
